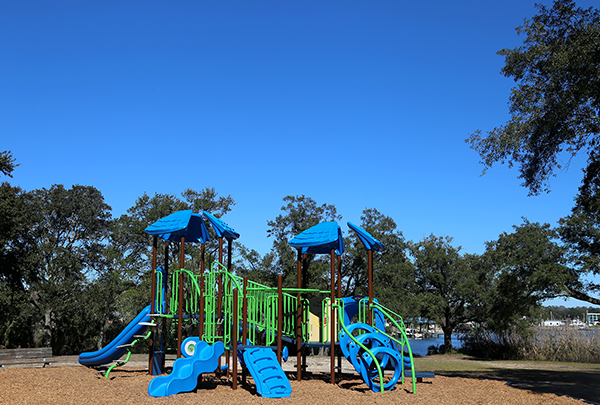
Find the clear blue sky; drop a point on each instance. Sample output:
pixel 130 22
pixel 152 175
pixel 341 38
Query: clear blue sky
pixel 360 104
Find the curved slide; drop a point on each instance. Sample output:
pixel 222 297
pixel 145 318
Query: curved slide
pixel 184 377
pixel 380 345
pixel 112 351
pixel 383 352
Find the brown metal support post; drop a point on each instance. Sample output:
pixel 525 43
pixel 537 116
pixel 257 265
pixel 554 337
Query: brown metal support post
pixel 152 303
pixel 339 295
pixel 370 267
pixel 339 276
pixel 219 326
pixel 245 322
pixel 229 255
pixel 219 301
pixel 234 339
pixel 202 249
pixel 245 312
pixel 279 315
pixel 229 269
pixel 331 316
pixel 305 285
pixel 299 320
pixel 166 264
pixel 221 250
pixel 154 264
pixel 201 314
pixel 180 301
pixel 164 324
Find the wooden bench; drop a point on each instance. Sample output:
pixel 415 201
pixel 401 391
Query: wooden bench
pixel 9 357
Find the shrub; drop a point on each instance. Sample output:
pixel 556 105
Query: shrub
pixel 544 344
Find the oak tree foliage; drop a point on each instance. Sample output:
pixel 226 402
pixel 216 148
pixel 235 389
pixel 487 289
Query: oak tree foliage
pixel 554 105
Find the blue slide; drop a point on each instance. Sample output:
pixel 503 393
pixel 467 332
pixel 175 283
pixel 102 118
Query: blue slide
pixel 112 351
pixel 184 377
pixel 270 380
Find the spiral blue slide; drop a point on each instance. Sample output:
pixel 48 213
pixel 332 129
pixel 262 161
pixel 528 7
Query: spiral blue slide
pixel 113 350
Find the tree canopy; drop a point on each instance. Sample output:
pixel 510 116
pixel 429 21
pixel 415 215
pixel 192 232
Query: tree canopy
pixel 392 269
pixel 450 288
pixel 580 232
pixel 298 214
pixel 554 116
pixel 527 267
pixel 7 163
pixel 70 273
pixel 554 107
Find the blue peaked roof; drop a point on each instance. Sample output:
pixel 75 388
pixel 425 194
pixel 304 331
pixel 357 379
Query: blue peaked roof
pixel 221 228
pixel 178 224
pixel 366 238
pixel 192 226
pixel 319 239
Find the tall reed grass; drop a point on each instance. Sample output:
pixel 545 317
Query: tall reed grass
pixel 543 344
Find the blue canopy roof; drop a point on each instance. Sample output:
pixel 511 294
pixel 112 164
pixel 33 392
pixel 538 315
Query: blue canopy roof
pixel 366 238
pixel 221 228
pixel 320 238
pixel 178 224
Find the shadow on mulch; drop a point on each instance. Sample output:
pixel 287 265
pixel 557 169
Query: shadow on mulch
pixel 349 381
pixel 582 385
pixel 121 373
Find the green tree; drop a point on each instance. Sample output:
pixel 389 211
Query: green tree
pixel 16 238
pixel 148 210
pixel 580 232
pixel 554 115
pixel 130 248
pixel 7 163
pixel 528 267
pixel 257 268
pixel 392 269
pixel 299 214
pixel 17 319
pixel 450 289
pixel 111 289
pixel 70 230
pixel 554 107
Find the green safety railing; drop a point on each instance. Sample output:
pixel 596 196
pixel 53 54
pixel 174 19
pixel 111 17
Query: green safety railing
pixel 340 313
pixel 126 360
pixel 262 311
pixel 191 297
pixel 159 291
pixel 365 311
pixel 325 325
pixel 262 305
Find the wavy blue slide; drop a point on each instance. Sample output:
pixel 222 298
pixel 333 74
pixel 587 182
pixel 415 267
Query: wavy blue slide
pixel 112 351
pixel 184 377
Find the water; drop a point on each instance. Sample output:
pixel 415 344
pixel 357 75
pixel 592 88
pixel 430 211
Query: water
pixel 419 346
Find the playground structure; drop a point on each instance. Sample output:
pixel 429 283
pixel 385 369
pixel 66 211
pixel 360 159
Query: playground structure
pixel 254 324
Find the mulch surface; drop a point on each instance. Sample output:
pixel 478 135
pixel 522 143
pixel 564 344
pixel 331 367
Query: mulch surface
pixel 129 385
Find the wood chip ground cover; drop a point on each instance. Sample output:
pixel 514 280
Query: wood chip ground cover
pixel 129 385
